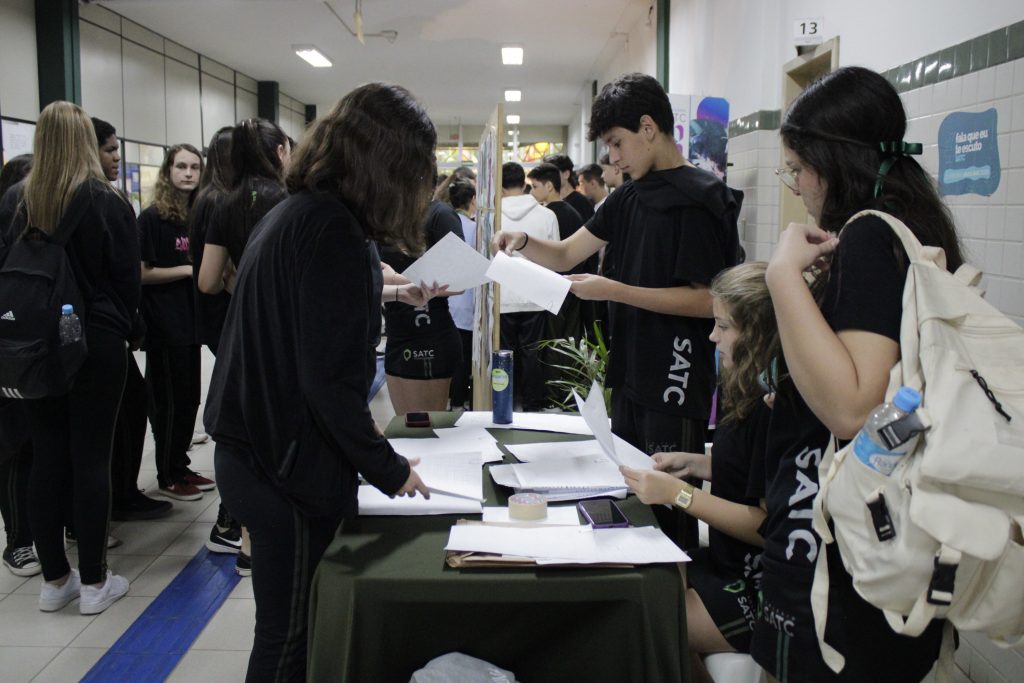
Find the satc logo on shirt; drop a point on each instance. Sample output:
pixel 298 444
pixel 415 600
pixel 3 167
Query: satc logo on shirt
pixel 181 244
pixel 678 372
pixel 806 489
pixel 427 354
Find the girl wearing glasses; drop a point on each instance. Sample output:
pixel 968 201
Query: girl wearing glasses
pixel 844 152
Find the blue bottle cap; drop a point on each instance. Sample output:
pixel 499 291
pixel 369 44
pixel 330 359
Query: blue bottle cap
pixel 67 309
pixel 907 399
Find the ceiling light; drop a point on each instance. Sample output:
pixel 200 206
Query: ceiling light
pixel 511 54
pixel 313 56
pixel 513 95
pixel 512 119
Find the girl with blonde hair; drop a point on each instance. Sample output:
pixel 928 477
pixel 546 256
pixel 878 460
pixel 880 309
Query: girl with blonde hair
pixel 168 307
pixel 66 194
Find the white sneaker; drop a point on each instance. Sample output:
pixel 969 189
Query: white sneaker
pixel 199 437
pixel 53 597
pixel 95 600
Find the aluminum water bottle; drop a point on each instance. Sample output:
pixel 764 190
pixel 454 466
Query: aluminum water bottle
pixel 70 325
pixel 878 447
pixel 501 387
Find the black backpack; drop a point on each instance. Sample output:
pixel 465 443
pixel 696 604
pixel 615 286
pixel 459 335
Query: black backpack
pixel 36 280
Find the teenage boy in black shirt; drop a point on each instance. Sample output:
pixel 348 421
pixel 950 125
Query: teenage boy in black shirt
pixel 568 192
pixel 669 232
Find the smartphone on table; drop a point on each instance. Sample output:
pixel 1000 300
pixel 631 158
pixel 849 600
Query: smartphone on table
pixel 602 513
pixel 418 419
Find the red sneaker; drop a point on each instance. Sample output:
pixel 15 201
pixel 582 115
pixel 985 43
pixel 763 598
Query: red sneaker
pixel 181 490
pixel 199 481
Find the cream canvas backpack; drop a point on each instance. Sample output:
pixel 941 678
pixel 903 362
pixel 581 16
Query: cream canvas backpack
pixel 941 536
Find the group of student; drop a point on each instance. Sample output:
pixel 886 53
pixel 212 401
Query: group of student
pixel 296 353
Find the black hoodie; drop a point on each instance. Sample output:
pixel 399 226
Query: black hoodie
pixel 668 229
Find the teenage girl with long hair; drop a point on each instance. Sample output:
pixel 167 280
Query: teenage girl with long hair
pixel 844 152
pixel 287 403
pixel 723 580
pixel 72 434
pixel 172 354
pixel 259 154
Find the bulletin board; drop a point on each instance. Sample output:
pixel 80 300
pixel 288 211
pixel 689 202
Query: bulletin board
pixel 17 138
pixel 486 318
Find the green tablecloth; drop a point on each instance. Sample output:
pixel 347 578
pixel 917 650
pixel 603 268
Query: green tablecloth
pixel 384 603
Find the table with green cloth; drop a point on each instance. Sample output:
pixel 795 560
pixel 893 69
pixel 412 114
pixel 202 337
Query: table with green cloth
pixel 384 602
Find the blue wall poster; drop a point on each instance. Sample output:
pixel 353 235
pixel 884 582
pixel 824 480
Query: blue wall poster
pixel 701 131
pixel 968 153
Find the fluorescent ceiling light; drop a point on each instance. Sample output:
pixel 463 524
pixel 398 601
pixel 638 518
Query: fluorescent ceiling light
pixel 513 95
pixel 512 119
pixel 313 56
pixel 511 54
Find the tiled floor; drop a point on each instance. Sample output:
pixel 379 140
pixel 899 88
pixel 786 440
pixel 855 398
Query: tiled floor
pixel 63 646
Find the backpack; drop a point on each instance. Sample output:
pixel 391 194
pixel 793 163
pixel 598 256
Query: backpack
pixel 36 280
pixel 941 536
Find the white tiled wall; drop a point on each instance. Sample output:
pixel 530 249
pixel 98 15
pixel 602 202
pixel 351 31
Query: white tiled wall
pixel 992 228
pixel 754 156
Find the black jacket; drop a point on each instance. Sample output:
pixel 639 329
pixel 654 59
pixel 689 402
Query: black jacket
pixel 292 378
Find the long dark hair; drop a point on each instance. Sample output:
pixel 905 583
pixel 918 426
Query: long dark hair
pixel 375 151
pixel 256 170
pixel 214 184
pixel 836 127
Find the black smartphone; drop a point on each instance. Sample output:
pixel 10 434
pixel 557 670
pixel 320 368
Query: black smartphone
pixel 419 419
pixel 602 513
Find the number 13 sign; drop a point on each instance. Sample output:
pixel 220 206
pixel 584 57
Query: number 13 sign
pixel 808 31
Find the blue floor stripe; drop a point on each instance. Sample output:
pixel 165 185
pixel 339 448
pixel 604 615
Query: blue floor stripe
pixel 155 643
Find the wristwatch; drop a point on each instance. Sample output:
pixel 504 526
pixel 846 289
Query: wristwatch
pixel 684 497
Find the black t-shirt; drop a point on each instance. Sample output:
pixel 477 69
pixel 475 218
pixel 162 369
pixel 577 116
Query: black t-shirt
pixel 403 320
pixel 669 229
pixel 167 308
pixel 210 308
pixel 569 221
pixel 864 292
pixel 583 206
pixel 233 221
pixel 737 475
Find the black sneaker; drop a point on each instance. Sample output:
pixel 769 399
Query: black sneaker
pixel 224 540
pixel 140 506
pixel 243 565
pixel 22 561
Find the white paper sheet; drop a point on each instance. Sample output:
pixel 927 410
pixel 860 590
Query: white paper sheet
pixel 554 450
pixel 426 448
pixel 541 422
pixel 637 545
pixel 505 475
pixel 534 283
pixel 472 439
pixel 454 473
pixel 373 503
pixel 582 472
pixel 595 414
pixel 564 515
pixel 450 262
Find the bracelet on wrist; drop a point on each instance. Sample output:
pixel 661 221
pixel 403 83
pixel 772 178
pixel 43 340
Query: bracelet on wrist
pixel 525 242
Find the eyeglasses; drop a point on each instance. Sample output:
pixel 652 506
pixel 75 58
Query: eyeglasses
pixel 788 177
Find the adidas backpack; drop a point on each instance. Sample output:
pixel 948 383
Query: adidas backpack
pixel 36 280
pixel 941 536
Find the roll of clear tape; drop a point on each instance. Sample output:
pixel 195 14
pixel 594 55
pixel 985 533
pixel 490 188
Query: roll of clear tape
pixel 527 507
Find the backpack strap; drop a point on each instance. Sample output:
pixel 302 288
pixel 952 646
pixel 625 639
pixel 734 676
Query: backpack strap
pixel 820 587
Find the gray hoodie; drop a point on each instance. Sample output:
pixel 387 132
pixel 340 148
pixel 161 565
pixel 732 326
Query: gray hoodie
pixel 522 213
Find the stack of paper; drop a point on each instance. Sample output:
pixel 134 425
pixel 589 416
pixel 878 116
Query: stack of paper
pixel 568 545
pixel 458 441
pixel 564 489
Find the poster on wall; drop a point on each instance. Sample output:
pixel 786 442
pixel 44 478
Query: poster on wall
pixel 701 131
pixel 134 187
pixel 969 153
pixel 17 138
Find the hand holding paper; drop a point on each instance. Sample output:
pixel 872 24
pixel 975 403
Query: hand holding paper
pixel 450 262
pixel 535 283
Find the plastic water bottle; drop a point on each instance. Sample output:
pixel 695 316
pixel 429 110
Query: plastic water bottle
pixel 879 445
pixel 70 325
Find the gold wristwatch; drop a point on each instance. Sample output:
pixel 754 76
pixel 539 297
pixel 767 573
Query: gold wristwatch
pixel 684 497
